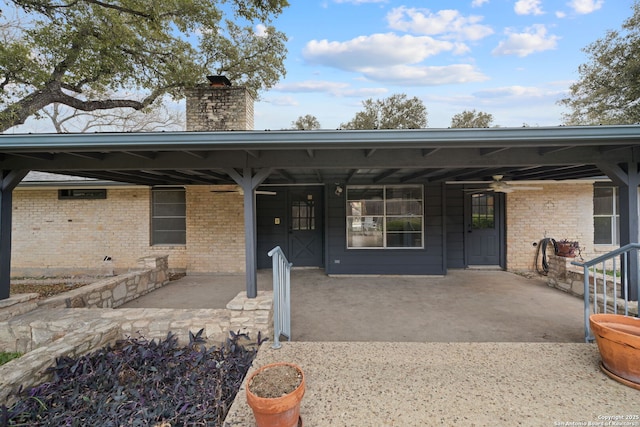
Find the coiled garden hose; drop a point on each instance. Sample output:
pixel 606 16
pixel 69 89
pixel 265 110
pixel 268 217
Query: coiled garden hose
pixel 542 252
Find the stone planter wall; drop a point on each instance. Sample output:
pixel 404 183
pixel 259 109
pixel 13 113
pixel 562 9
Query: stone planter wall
pixel 76 322
pixel 570 278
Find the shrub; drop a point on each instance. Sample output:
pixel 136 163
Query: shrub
pixel 5 357
pixel 137 383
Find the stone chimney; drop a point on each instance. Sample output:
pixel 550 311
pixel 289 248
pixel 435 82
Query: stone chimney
pixel 219 106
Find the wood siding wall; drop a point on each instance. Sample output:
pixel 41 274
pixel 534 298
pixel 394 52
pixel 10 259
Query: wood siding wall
pixel 429 260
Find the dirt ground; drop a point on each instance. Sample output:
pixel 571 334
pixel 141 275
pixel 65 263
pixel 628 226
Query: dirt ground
pixel 45 287
pixel 49 286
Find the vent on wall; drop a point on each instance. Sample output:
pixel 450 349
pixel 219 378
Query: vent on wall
pixel 88 193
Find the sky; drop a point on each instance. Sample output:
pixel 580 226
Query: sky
pixel 513 59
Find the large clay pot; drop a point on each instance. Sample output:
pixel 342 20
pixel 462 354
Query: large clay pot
pixel 618 339
pixel 281 411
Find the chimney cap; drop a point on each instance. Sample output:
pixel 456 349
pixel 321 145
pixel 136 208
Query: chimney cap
pixel 219 81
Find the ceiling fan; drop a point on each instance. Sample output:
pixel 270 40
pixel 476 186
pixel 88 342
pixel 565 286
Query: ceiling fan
pixel 500 186
pixel 238 189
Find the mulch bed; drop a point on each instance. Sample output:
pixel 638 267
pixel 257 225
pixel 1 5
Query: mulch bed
pixel 47 286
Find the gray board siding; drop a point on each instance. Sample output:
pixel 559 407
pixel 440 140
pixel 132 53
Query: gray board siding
pixel 455 226
pixel 427 261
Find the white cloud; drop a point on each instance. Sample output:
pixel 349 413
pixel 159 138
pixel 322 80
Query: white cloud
pixel 528 7
pixel 377 50
pixel 281 101
pixel 311 86
pixel 560 14
pixel 448 23
pixel 584 7
pixel 338 89
pixel 510 91
pixel 425 75
pixel 261 30
pixel 534 39
pixel 478 3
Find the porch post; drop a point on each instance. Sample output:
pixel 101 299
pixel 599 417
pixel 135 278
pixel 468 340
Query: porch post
pixel 8 181
pixel 249 182
pixel 627 177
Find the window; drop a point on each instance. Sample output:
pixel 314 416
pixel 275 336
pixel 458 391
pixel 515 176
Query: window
pixel 84 193
pixel 384 217
pixel 482 212
pixel 168 219
pixel 606 218
pixel 303 215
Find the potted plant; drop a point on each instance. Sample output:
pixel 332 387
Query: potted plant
pixel 618 339
pixel 274 392
pixel 567 248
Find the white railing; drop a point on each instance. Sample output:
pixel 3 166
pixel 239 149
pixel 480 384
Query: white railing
pixel 608 290
pixel 281 296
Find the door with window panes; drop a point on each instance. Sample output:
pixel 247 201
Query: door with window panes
pixel 483 228
pixel 305 227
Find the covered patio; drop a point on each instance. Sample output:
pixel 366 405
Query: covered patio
pixel 463 306
pixel 429 157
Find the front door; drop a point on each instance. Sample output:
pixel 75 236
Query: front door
pixel 305 227
pixel 292 218
pixel 484 227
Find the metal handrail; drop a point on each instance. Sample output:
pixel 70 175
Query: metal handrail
pixel 281 296
pixel 623 252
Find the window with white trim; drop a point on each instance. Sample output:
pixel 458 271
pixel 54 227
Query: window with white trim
pixel 169 216
pixel 385 217
pixel 606 216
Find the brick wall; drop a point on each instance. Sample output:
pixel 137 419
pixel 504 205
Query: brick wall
pixel 215 231
pixel 211 108
pixel 559 210
pixel 70 237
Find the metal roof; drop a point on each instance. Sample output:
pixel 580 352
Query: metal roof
pixel 346 156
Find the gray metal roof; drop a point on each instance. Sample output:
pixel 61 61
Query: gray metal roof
pixel 382 156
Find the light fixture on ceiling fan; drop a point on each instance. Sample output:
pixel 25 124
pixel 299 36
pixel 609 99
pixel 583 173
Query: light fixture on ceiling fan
pixel 500 186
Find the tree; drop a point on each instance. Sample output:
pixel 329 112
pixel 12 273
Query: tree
pixel 394 112
pixel 608 88
pixel 472 119
pixel 77 53
pixel 307 122
pixel 157 119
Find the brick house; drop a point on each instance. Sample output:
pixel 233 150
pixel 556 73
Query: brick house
pixel 217 197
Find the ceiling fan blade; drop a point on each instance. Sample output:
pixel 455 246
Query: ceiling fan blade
pixel 518 188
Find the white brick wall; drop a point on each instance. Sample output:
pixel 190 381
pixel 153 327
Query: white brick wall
pixel 52 236
pixel 559 210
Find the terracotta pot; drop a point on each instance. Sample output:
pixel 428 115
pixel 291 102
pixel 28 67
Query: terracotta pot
pixel 618 339
pixel 566 250
pixel 279 411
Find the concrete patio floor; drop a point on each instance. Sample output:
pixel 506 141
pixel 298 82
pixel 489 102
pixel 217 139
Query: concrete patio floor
pixel 474 348
pixel 463 306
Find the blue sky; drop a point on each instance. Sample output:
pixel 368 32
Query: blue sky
pixel 511 58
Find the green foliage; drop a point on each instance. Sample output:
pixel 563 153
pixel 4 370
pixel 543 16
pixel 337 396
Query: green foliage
pixel 74 52
pixel 394 112
pixel 405 224
pixel 138 383
pixel 608 88
pixel 472 119
pixel 307 122
pixel 5 357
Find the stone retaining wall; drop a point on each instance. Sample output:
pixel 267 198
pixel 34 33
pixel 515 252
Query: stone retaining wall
pixel 55 327
pixel 570 278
